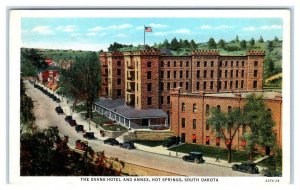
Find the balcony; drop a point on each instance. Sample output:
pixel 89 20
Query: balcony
pixel 130 67
pixel 131 90
pixel 130 78
pixel 130 103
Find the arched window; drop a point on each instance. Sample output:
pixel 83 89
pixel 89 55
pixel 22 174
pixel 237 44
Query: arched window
pixel 207 109
pixel 183 106
pixel 194 108
pixel 219 107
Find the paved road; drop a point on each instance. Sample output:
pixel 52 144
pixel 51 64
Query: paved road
pixel 46 116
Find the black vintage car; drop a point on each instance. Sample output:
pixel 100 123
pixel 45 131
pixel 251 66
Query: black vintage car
pixel 79 128
pixel 59 110
pixel 89 135
pixel 196 157
pixel 111 141
pixel 248 167
pixel 72 122
pixel 128 145
pixel 170 141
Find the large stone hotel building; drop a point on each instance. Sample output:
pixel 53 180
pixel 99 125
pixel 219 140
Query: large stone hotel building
pixel 138 89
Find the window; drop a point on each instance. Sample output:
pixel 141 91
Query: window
pixel 180 63
pixel 198 63
pixel 204 85
pixel 244 129
pixel 194 123
pixel 148 74
pixel 220 73
pixel 174 74
pixel 229 109
pixel 242 84
pixel 183 106
pixel 198 74
pixel 207 109
pixel 212 63
pixel 186 74
pixel 226 63
pixel 119 63
pixel 168 63
pixel 225 84
pixel 225 73
pixel 243 73
pixel 236 84
pixel 220 64
pixel 149 64
pixel 255 63
pixel 243 63
pixel 219 84
pixel 174 63
pixel 168 99
pixel 162 86
pixel 180 74
pixel 174 85
pixel 231 83
pixel 180 84
pixel 206 127
pixel 168 86
pixel 255 73
pixel 211 84
pixel 118 71
pixel 205 63
pixel 183 122
pixel 218 140
pixel 149 101
pixel 231 73
pixel 162 99
pixel 211 74
pixel 149 87
pixel 207 140
pixel 168 74
pixel 231 63
pixel 237 63
pixel 204 74
pixel 162 64
pixel 194 108
pixel 198 86
pixel 187 64
pixel 255 84
pixel 236 73
pixel 219 107
pixel 194 138
pixel 119 81
pixel 186 86
pixel 162 74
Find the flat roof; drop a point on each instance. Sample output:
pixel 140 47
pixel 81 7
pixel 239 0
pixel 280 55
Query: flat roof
pixel 118 106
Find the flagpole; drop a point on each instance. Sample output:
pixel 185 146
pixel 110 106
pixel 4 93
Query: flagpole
pixel 144 37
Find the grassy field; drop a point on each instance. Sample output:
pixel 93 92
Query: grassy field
pixel 149 143
pixel 114 127
pixel 237 156
pixel 100 119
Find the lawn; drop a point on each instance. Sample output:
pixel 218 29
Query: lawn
pixel 100 119
pixel 237 156
pixel 80 108
pixel 149 143
pixel 114 127
pixel 95 114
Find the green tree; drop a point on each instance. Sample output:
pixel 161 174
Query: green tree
pixel 212 44
pixel 243 44
pixel 226 125
pixel 175 45
pixel 193 44
pixel 269 67
pixel 276 39
pixel 270 45
pixel 31 62
pixel 259 120
pixel 252 42
pixel 237 40
pixel 260 40
pixel 221 44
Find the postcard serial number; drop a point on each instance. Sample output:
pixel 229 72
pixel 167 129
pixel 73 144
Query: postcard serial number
pixel 272 180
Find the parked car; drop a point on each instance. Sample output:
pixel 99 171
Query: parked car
pixel 196 157
pixel 170 141
pixel 79 128
pixel 248 167
pixel 128 145
pixel 111 141
pixel 89 135
pixel 68 118
pixel 72 122
pixel 59 110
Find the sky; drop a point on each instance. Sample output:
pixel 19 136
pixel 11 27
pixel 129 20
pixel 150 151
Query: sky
pixel 98 33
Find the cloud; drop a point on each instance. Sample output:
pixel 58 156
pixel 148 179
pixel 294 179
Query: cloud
pixel 91 34
pixel 250 28
pixel 111 27
pixel 42 30
pixel 154 25
pixel 121 35
pixel 180 31
pixel 272 27
pixel 68 28
pixel 160 33
pixel 209 27
pixel 139 27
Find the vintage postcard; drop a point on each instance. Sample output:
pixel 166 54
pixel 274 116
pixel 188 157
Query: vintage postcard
pixel 154 96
